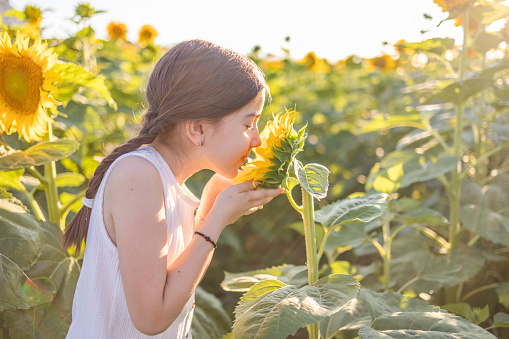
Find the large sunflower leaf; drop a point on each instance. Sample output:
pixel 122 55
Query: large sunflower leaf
pixel 210 320
pixel 416 168
pixel 272 309
pixel 430 272
pixel 314 178
pixel 288 274
pixel 11 179
pixel 459 92
pixel 39 154
pixel 345 211
pixel 52 320
pixel 74 76
pixel 368 306
pixel 423 325
pixel 435 45
pixel 20 245
pixel 486 223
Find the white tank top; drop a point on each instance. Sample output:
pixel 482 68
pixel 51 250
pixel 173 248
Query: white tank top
pixel 99 307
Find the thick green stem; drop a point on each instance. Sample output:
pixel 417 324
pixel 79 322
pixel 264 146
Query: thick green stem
pixel 50 176
pixel 387 246
pixel 35 207
pixel 308 216
pixel 454 192
pixel 454 196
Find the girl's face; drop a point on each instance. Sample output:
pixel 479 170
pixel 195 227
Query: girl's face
pixel 231 141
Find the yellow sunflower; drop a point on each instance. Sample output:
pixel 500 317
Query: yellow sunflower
pixel 26 80
pixel 147 34
pixel 116 30
pixel 280 144
pixel 384 63
pixel 33 15
pixel 315 63
pixel 448 5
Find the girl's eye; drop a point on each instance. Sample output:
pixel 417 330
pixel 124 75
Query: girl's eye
pixel 249 127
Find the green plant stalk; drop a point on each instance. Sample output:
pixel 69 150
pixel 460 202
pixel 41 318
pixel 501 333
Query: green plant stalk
pixel 50 175
pixel 387 246
pixel 454 192
pixel 454 195
pixel 479 132
pixel 308 216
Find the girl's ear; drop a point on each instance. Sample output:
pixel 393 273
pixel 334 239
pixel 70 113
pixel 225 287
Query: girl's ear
pixel 195 131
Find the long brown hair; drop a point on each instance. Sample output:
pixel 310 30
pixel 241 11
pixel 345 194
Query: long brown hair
pixel 195 79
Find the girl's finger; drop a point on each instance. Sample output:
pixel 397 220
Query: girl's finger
pixel 247 186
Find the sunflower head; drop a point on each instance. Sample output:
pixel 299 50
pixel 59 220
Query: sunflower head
pixel 280 144
pixel 33 15
pixel 315 63
pixel 116 30
pixel 147 35
pixel 26 80
pixel 84 11
pixel 449 5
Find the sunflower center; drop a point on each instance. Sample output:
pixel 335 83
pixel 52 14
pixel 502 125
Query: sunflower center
pixel 20 83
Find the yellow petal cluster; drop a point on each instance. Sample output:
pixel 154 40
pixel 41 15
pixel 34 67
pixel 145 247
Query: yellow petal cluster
pixel 277 136
pixel 384 63
pixel 26 80
pixel 448 5
pixel 315 63
pixel 147 34
pixel 116 30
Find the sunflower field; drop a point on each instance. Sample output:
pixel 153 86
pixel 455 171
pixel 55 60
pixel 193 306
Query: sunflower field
pixel 395 222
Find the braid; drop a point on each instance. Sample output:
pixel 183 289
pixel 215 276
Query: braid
pixel 76 231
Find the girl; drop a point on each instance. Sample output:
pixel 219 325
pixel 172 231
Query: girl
pixel 146 248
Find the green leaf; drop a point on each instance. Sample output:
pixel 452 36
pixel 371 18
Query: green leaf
pixel 416 168
pixel 430 272
pixel 381 122
pixel 423 216
pixel 345 211
pixel 39 154
pixel 275 310
pixel 459 92
pixel 436 45
pixel 503 294
pixel 486 223
pixel 70 179
pixel 314 178
pixel 11 180
pixel 368 306
pixel 288 274
pixel 352 234
pixel 485 41
pixel 475 315
pixel 389 180
pixel 422 325
pixel 501 320
pixel 76 75
pixel 20 245
pixel 488 13
pixel 210 320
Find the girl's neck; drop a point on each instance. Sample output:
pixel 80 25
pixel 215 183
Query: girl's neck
pixel 182 166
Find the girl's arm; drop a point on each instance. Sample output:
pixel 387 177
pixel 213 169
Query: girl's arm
pixel 155 292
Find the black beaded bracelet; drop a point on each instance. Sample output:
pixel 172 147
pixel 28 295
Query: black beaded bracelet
pixel 207 238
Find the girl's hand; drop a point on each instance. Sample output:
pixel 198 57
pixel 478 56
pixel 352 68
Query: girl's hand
pixel 216 184
pixel 241 199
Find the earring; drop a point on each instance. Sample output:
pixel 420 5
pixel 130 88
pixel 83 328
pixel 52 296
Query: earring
pixel 201 143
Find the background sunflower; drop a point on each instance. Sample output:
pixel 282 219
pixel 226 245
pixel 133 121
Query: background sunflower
pixel 26 80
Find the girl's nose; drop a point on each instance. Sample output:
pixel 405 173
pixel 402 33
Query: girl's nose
pixel 256 141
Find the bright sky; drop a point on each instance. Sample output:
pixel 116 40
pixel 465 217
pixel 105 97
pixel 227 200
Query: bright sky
pixel 333 29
